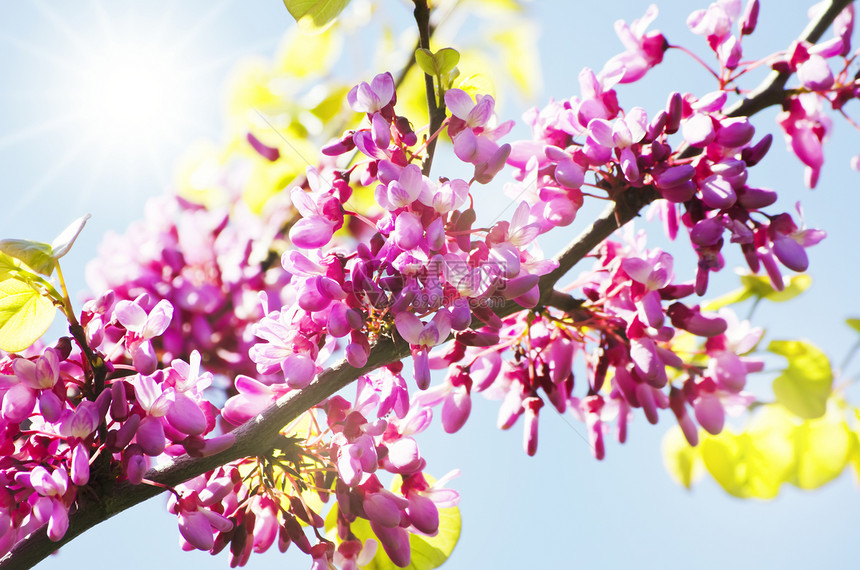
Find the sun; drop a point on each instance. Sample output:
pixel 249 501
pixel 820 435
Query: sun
pixel 114 94
pixel 130 95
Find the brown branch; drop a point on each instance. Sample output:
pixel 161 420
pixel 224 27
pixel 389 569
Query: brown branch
pixel 257 435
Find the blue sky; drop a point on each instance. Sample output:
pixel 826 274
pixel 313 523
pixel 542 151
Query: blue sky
pixel 558 509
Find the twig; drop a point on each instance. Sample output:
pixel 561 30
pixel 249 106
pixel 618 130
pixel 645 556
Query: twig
pixel 435 106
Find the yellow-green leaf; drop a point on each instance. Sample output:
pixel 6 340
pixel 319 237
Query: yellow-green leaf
pixel 680 459
pixel 854 324
pixel 823 448
pixel 730 298
pixel 314 16
pixel 476 84
pixel 329 106
pixel 8 265
pixel 755 463
pixel 424 59
pixel 25 315
pixel 36 255
pixel 760 286
pixel 501 5
pixel 517 47
pixel 302 55
pixel 854 458
pixel 437 64
pixel 805 385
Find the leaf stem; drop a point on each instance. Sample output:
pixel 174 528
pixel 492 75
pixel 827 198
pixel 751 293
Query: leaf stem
pixel 435 109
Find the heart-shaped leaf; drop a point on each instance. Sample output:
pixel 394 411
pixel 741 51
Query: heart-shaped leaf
pixel 36 255
pixel 805 385
pixel 437 64
pixel 315 16
pixel 25 315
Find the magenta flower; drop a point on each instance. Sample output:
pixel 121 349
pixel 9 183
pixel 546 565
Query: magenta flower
pixel 605 138
pixel 143 327
pixel 716 20
pixel 52 487
pixel 421 338
pixel 644 49
pixel 806 127
pixel 82 421
pixel 253 398
pixel 651 275
pixel 356 458
pixel 321 210
pixel 815 74
pixel 198 524
pixel 410 185
pixel 473 128
pixel 372 98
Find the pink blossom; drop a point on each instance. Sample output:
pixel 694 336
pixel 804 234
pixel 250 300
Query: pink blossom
pixel 806 128
pixel 644 49
pixel 371 98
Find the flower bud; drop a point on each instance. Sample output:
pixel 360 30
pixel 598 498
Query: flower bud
pixel 674 109
pixel 752 155
pixel 749 18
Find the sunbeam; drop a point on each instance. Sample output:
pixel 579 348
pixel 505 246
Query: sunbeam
pixel 109 95
pixel 36 191
pixel 35 130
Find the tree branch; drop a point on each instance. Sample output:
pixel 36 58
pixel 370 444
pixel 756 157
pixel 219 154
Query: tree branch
pixel 257 435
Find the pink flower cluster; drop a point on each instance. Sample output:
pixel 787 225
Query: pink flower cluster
pixel 705 191
pixel 61 433
pixel 803 119
pixel 196 288
pixel 623 336
pixel 358 445
pixel 210 264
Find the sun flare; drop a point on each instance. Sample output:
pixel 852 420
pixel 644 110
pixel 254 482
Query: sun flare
pixel 130 95
pixel 113 96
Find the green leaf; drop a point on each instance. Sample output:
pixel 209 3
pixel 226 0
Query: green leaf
pixel 8 265
pixel 303 55
pixel 446 60
pixel 25 315
pixel 682 461
pixel 437 64
pixel 804 387
pixel 37 255
pixel 854 324
pixel 516 47
pixel 753 464
pixel 476 84
pixel 760 286
pixel 823 449
pixel 424 59
pixel 730 298
pixel 314 16
pixel 330 105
